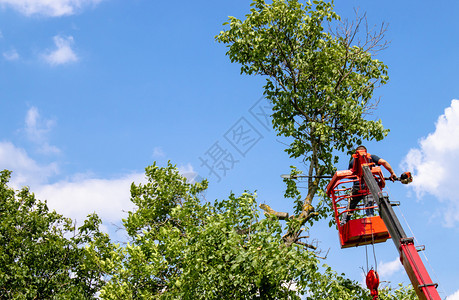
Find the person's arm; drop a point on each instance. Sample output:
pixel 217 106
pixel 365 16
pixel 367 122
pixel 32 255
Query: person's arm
pixel 386 165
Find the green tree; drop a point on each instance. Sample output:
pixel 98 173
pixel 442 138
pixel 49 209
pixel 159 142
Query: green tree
pixel 320 79
pixel 320 73
pixel 42 254
pixel 183 247
pixel 402 292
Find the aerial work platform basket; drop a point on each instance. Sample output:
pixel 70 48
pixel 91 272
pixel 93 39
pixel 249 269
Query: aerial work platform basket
pixel 364 181
pixel 365 228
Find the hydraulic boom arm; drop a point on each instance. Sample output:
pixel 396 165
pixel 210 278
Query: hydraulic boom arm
pixel 414 267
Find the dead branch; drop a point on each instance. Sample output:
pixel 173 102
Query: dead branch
pixel 325 257
pixel 306 245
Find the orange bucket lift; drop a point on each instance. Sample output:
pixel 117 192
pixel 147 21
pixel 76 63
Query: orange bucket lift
pixel 362 230
pixel 363 180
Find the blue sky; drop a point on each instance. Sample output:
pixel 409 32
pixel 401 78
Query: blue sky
pixel 93 91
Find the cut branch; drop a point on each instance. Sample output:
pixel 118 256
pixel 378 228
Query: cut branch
pixel 268 210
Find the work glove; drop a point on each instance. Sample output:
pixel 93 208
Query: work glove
pixel 393 177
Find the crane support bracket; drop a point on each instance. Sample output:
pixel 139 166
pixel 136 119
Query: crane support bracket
pixel 407 240
pixel 430 284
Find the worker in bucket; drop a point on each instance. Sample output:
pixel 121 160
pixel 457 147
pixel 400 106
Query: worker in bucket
pixel 356 198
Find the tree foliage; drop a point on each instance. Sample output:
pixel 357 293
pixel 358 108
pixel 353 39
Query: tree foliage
pixel 42 254
pixel 320 78
pixel 182 247
pixel 402 292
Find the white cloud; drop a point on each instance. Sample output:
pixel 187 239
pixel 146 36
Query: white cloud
pixel 73 198
pixel 37 130
pixel 34 130
pixel 63 54
pixel 435 163
pixel 77 196
pixel 10 54
pixel 454 296
pixel 51 8
pixel 26 171
pixel 189 173
pixel 386 269
pixel 107 197
pixel 158 152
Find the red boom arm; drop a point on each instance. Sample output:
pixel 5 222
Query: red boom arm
pixel 414 267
